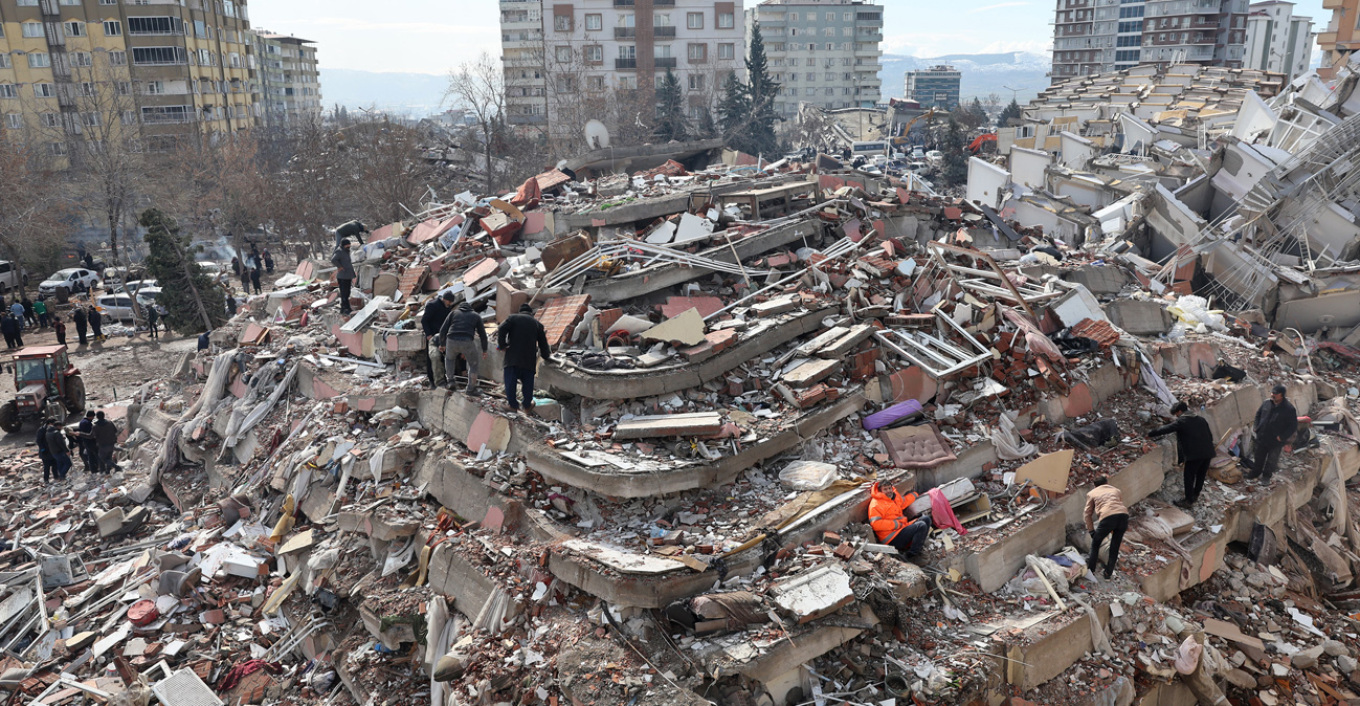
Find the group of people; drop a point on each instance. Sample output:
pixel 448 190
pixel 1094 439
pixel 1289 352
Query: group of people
pixel 257 262
pixel 1106 516
pixel 456 340
pixel 95 440
pixel 22 313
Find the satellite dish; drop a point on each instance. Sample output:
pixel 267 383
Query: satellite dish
pixel 597 135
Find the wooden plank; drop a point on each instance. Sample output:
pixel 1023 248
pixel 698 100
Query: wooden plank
pixel 695 424
pixel 1229 631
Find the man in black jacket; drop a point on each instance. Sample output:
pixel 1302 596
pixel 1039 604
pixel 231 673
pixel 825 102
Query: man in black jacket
pixel 353 229
pixel 1276 424
pixel 436 311
pixel 105 441
pixel 56 445
pixel 79 318
pixel 516 339
pixel 456 338
pixel 1194 445
pixel 344 273
pixel 43 455
pixel 89 450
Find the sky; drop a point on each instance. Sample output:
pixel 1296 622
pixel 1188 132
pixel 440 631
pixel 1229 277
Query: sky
pixel 436 36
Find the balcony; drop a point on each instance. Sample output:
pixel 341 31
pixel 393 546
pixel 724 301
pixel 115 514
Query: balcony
pixel 663 3
pixel 624 33
pixel 665 62
pixel 622 64
pixel 667 32
pixel 623 3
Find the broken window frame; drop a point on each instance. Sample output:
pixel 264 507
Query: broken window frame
pixel 935 348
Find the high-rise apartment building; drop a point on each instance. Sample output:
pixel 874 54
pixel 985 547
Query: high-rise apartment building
pixel 1342 36
pixel 568 63
pixel 287 79
pixel 1277 39
pixel 1095 36
pixel 826 53
pixel 935 87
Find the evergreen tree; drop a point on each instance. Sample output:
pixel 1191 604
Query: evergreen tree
pixel 763 90
pixel 955 169
pixel 670 110
pixel 734 113
pixel 193 304
pixel 977 110
pixel 1007 113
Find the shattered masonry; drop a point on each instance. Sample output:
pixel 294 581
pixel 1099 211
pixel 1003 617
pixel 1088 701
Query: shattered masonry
pixel 738 353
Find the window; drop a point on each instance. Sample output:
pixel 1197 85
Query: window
pixel 200 29
pixel 74 29
pixel 123 88
pixel 811 76
pixel 829 32
pixel 151 56
pixel 627 51
pixel 118 58
pixel 9 90
pixel 663 51
pixel 793 78
pixel 5 63
pixel 113 28
pixel 129 117
pixel 661 19
pixel 566 84
pixel 594 54
pixel 82 58
pixel 829 76
pixel 44 90
pixel 87 89
pixel 810 91
pixel 50 119
pixel 27 3
pixel 594 23
pixel 698 53
pixel 726 20
pixel 39 60
pixel 847 17
pixel 1130 41
pixel 32 30
pixel 90 119
pixel 793 61
pixel 153 88
pixel 69 2
pixel 627 83
pixel 562 23
pixel 696 82
pixel 1134 26
pixel 155 25
pixel 595 83
pixel 793 17
pixel 14 121
pixel 694 20
pixel 563 54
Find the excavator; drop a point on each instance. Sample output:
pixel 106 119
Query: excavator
pixel 981 140
pixel 905 138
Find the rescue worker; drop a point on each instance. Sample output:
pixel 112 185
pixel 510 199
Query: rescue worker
pixel 255 274
pixel 436 311
pixel 1194 446
pixel 89 452
pixel 40 308
pixel 47 461
pixel 61 454
pixel 1105 516
pixel 1276 424
pixel 456 339
pixel 344 273
pixel 516 339
pixel 888 517
pixel 78 316
pixel 105 442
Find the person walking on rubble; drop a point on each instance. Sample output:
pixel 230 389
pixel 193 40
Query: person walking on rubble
pixel 344 273
pixel 56 446
pixel 255 275
pixel 48 463
pixel 89 451
pixel 78 316
pixel 1105 516
pixel 517 339
pixel 1276 424
pixel 888 516
pixel 432 321
pixel 456 338
pixel 1194 446
pixel 353 229
pixel 105 442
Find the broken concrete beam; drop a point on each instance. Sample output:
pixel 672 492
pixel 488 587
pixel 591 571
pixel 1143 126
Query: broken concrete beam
pixel 776 306
pixel 662 425
pixel 686 329
pixel 365 316
pixel 814 594
pixel 846 343
pixel 1140 318
pixel 834 333
pixel 811 372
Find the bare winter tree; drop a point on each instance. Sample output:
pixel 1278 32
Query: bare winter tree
pixel 33 208
pixel 213 183
pixel 392 174
pixel 479 86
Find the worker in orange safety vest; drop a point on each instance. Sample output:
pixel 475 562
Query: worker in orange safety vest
pixel 888 516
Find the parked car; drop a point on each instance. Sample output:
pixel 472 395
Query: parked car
pixel 115 307
pixel 147 296
pixel 137 285
pixel 75 279
pixel 10 277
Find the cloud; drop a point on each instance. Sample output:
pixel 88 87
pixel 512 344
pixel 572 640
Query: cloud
pixel 997 6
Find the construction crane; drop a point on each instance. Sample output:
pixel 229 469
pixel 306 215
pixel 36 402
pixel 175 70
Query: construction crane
pixel 904 138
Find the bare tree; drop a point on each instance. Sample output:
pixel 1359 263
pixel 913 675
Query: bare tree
pixel 213 182
pixel 479 86
pixel 33 208
pixel 392 174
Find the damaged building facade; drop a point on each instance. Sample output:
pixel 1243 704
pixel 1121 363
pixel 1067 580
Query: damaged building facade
pixel 739 352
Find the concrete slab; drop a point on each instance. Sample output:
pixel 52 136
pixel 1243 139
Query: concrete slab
pixel 1140 318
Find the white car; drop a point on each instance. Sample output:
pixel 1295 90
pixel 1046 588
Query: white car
pixel 137 285
pixel 10 277
pixel 146 296
pixel 115 307
pixel 74 279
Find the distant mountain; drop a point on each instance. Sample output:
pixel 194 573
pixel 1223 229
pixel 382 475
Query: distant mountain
pixel 417 95
pixel 983 74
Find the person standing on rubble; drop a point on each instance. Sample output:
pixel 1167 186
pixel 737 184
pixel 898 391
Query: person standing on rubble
pixel 456 338
pixel 1106 516
pixel 255 274
pixel 1276 424
pixel 432 321
pixel 1194 446
pixel 78 316
pixel 517 339
pixel 153 318
pixel 56 446
pixel 89 451
pixel 97 324
pixel 105 441
pixel 268 261
pixel 344 273
pixel 888 516
pixel 41 442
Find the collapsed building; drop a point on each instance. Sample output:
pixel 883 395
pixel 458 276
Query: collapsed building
pixel 739 351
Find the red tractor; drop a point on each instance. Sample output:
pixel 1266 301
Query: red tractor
pixel 48 386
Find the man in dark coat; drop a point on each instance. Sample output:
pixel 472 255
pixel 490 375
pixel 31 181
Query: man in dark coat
pixel 59 327
pixel 1194 445
pixel 456 338
pixel 43 455
pixel 153 320
pixel 431 322
pixel 56 445
pixel 10 328
pixel 344 273
pixel 79 317
pixel 353 229
pixel 1276 424
pixel 96 323
pixel 255 275
pixel 268 261
pixel 29 314
pixel 89 450
pixel 105 441
pixel 517 339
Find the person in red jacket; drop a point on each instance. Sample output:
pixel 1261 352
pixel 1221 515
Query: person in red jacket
pixel 888 516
